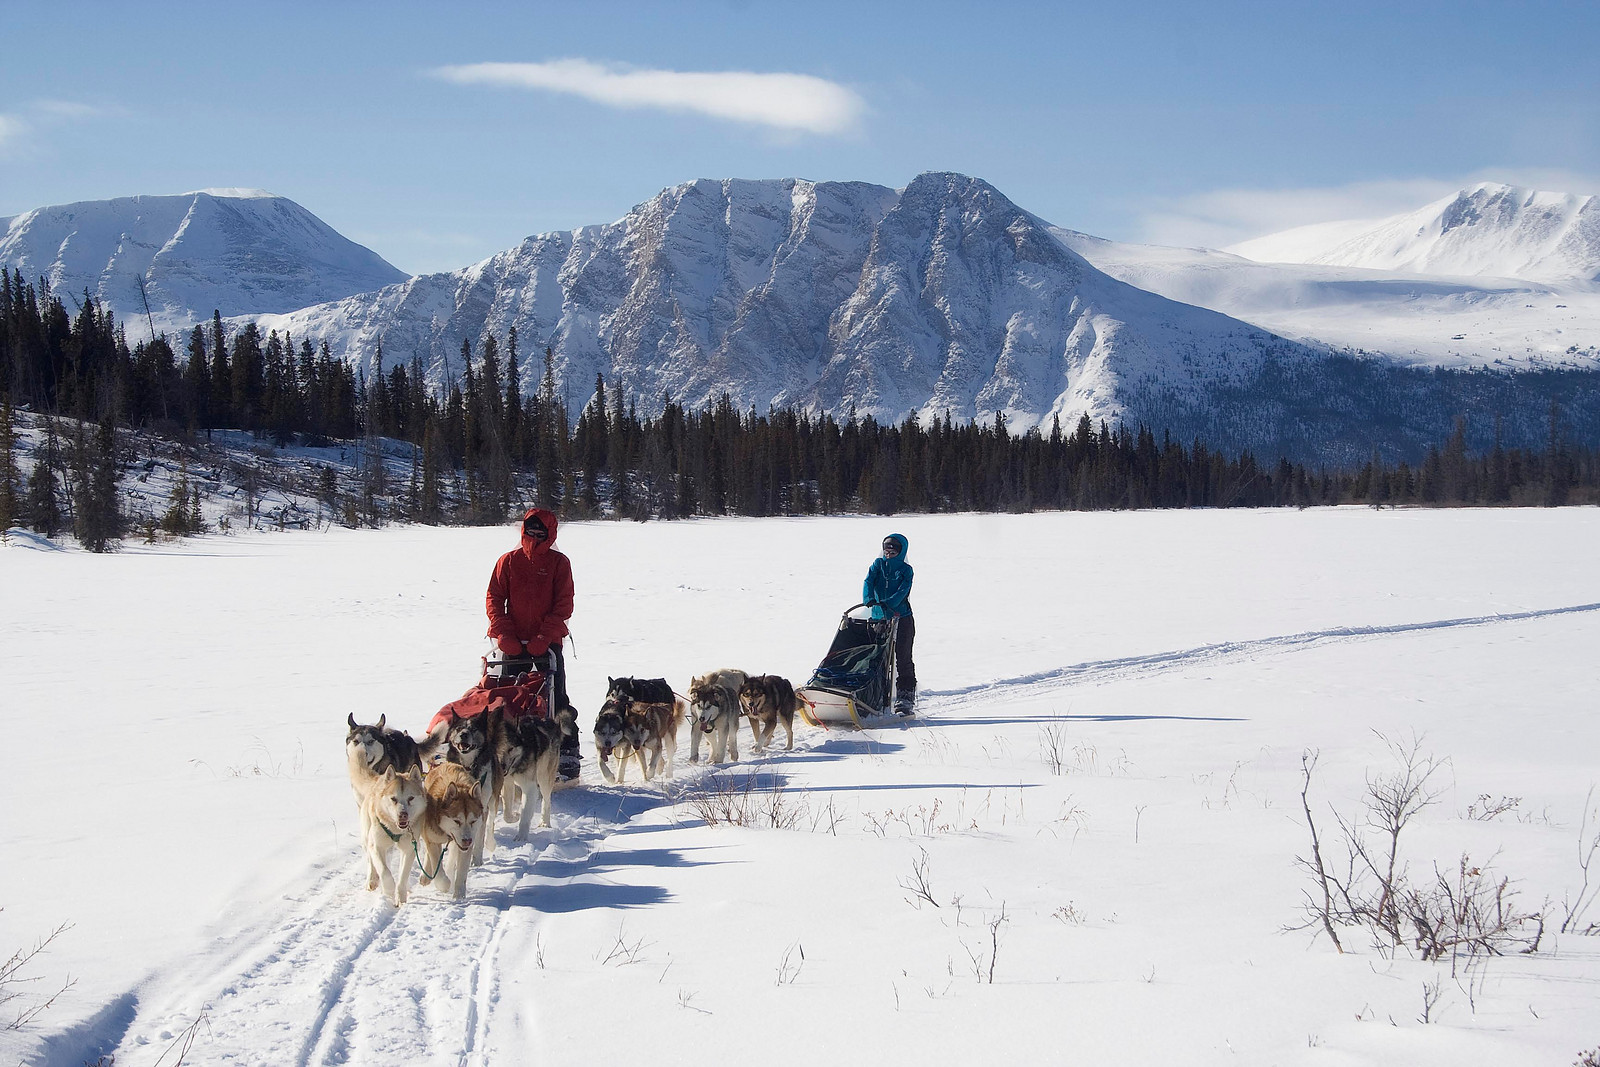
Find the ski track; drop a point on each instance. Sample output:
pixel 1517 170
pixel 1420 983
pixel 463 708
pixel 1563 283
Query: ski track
pixel 1102 672
pixel 344 977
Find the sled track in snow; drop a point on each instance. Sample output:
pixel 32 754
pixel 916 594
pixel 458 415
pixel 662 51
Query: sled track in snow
pixel 341 976
pixel 1100 672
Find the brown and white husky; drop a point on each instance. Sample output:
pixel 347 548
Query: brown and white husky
pixel 768 698
pixel 450 825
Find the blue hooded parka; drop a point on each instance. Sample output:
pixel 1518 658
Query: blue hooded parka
pixel 888 584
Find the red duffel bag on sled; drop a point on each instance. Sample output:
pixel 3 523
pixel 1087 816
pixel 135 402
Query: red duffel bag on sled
pixel 512 681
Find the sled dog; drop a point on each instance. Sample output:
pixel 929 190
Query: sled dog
pixel 714 710
pixel 611 735
pixel 645 690
pixel 767 698
pixel 653 728
pixel 469 742
pixel 453 816
pixel 371 750
pixel 390 811
pixel 528 752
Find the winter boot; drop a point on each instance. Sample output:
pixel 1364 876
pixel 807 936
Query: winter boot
pixel 905 702
pixel 571 762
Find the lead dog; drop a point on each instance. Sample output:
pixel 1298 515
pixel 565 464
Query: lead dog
pixel 390 809
pixel 767 698
pixel 714 709
pixel 453 816
pixel 469 743
pixel 528 753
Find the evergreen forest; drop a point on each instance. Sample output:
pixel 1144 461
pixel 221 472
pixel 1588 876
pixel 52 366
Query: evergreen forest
pixel 484 445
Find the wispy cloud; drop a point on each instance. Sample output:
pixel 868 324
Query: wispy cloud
pixel 1222 217
pixel 11 130
pixel 21 128
pixel 789 102
pixel 70 110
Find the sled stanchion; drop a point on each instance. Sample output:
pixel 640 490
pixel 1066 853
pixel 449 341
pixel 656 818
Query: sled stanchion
pixel 855 680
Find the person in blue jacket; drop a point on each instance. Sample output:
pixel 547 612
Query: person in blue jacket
pixel 887 591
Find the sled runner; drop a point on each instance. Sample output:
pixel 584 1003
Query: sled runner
pixel 855 680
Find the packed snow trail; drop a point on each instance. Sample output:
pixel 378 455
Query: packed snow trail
pixel 1099 672
pixel 341 976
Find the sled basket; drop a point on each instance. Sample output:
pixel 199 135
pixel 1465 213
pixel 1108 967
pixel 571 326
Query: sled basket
pixel 514 682
pixel 855 679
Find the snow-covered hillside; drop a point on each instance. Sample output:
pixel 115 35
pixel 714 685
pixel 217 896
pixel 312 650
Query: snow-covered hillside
pixel 1406 317
pixel 238 251
pixel 1101 797
pixel 1493 230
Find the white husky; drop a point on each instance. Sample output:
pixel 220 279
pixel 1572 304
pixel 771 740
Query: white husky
pixel 714 709
pixel 390 811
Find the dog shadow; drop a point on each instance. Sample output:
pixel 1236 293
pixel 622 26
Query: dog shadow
pixel 564 898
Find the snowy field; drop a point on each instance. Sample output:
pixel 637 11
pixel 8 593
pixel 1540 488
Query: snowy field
pixel 1101 796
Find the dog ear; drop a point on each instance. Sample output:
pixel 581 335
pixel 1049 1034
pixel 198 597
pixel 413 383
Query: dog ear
pixel 381 719
pixel 351 718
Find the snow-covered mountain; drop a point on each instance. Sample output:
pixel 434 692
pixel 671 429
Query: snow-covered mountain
pixel 237 251
pixel 942 296
pixel 1406 318
pixel 1492 230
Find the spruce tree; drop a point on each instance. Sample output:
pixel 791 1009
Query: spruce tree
pixel 8 467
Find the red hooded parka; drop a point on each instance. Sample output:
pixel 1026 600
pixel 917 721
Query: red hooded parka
pixel 530 591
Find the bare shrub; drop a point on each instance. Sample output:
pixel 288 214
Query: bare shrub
pixel 919 885
pixel 1588 849
pixel 741 800
pixel 1464 915
pixel 15 982
pixel 1053 747
pixel 1487 808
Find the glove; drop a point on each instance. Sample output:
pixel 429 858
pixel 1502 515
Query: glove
pixel 510 646
pixel 539 645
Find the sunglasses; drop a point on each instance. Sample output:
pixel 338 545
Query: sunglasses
pixel 890 548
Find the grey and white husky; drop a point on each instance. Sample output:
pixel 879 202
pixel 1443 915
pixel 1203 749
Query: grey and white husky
pixel 527 755
pixel 714 711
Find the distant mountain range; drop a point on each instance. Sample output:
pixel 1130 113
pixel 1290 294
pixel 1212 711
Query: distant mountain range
pixel 940 297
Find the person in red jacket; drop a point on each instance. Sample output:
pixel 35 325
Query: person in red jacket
pixel 529 603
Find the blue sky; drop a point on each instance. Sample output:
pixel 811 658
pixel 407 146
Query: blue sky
pixel 1165 122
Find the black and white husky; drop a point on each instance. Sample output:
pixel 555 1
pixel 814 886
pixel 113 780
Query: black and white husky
pixel 714 711
pixel 527 754
pixel 371 750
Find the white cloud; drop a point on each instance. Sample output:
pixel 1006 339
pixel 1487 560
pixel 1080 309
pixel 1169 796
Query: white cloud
pixel 67 109
pixel 791 102
pixel 1223 217
pixel 11 130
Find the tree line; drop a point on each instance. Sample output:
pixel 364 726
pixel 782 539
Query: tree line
pixel 481 445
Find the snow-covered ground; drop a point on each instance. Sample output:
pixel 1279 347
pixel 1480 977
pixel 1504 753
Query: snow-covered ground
pixel 177 793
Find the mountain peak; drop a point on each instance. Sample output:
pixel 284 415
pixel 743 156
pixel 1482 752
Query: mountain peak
pixel 1490 229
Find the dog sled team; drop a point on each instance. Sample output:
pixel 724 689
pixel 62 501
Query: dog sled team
pixel 507 745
